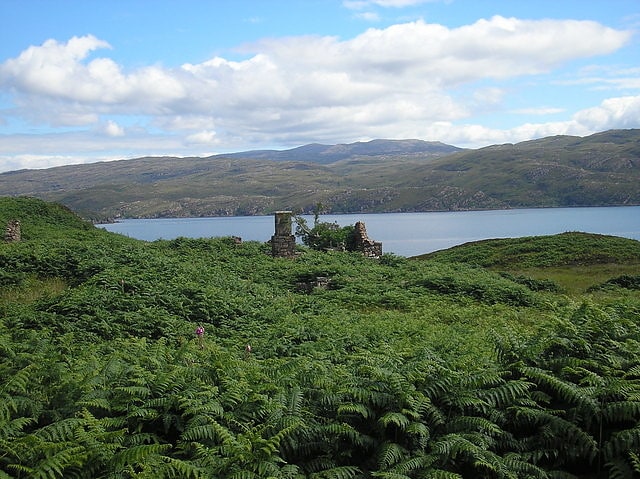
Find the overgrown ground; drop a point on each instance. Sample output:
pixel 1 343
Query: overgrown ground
pixel 513 358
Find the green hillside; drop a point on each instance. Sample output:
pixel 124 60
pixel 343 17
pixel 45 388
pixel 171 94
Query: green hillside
pixel 574 248
pixel 393 368
pixel 573 262
pixel 40 219
pixel 379 176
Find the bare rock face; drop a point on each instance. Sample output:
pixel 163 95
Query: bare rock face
pixel 12 233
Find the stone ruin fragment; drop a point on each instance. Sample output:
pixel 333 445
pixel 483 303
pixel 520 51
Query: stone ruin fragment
pixel 12 233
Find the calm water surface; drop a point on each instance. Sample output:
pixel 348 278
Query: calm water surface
pixel 408 234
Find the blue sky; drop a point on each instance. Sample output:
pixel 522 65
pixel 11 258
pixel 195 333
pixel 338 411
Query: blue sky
pixel 85 80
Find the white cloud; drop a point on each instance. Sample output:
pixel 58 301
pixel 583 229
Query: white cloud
pixel 57 72
pixel 30 161
pixel 207 137
pixel 410 80
pixel 543 110
pixel 111 128
pixel 621 112
pixel 369 16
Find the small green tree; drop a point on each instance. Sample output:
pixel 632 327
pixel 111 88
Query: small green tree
pixel 324 235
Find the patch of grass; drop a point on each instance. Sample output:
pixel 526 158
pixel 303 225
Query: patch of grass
pixel 31 290
pixel 577 279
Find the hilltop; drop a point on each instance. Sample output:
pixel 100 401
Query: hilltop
pixel 370 177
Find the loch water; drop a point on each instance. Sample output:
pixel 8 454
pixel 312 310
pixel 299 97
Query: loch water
pixel 408 234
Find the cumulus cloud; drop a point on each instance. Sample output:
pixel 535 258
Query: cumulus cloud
pixel 57 71
pixel 405 80
pixel 622 112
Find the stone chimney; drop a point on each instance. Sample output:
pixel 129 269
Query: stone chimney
pixel 12 234
pixel 283 243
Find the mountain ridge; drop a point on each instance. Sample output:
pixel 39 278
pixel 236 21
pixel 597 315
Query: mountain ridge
pixel 368 177
pixel 321 153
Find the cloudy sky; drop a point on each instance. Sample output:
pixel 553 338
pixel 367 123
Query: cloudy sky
pixel 88 80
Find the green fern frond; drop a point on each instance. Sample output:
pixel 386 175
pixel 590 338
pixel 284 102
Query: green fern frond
pixel 10 429
pixel 433 415
pixel 409 466
pixel 466 400
pixel 139 454
pixel 619 469
pixel 474 423
pixel 632 372
pixel 143 413
pixel 267 468
pixel 361 394
pixel 206 432
pixel 621 442
pixel 420 431
pixel 523 468
pixel 357 409
pixel 483 380
pixel 210 407
pixel 213 431
pixel 60 431
pixel 54 465
pixel 441 474
pixel 295 402
pixel 634 458
pixel 621 411
pixel 398 419
pixel 20 469
pixel 342 472
pixel 449 447
pixel 18 381
pixel 96 403
pixel 564 390
pixel 243 475
pixel 389 475
pixel 182 469
pixel 390 453
pixel 134 392
pixel 505 394
pixel 142 438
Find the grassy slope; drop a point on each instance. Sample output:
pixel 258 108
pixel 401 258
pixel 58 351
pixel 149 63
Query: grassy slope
pixel 576 261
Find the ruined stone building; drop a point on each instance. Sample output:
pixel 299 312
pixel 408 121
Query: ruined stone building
pixel 12 233
pixel 283 243
pixel 368 247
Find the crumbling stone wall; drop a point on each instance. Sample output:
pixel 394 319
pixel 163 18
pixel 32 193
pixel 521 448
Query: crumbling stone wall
pixel 12 233
pixel 364 244
pixel 283 243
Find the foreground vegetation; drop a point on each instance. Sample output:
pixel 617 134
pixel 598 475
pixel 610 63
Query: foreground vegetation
pixel 444 367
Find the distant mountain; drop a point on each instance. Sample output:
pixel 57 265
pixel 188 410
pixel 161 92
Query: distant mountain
pixel 325 154
pixel 376 176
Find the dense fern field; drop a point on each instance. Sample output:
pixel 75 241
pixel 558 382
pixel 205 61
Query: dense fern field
pixel 329 365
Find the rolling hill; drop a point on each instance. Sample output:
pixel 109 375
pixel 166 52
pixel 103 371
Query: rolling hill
pixel 377 176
